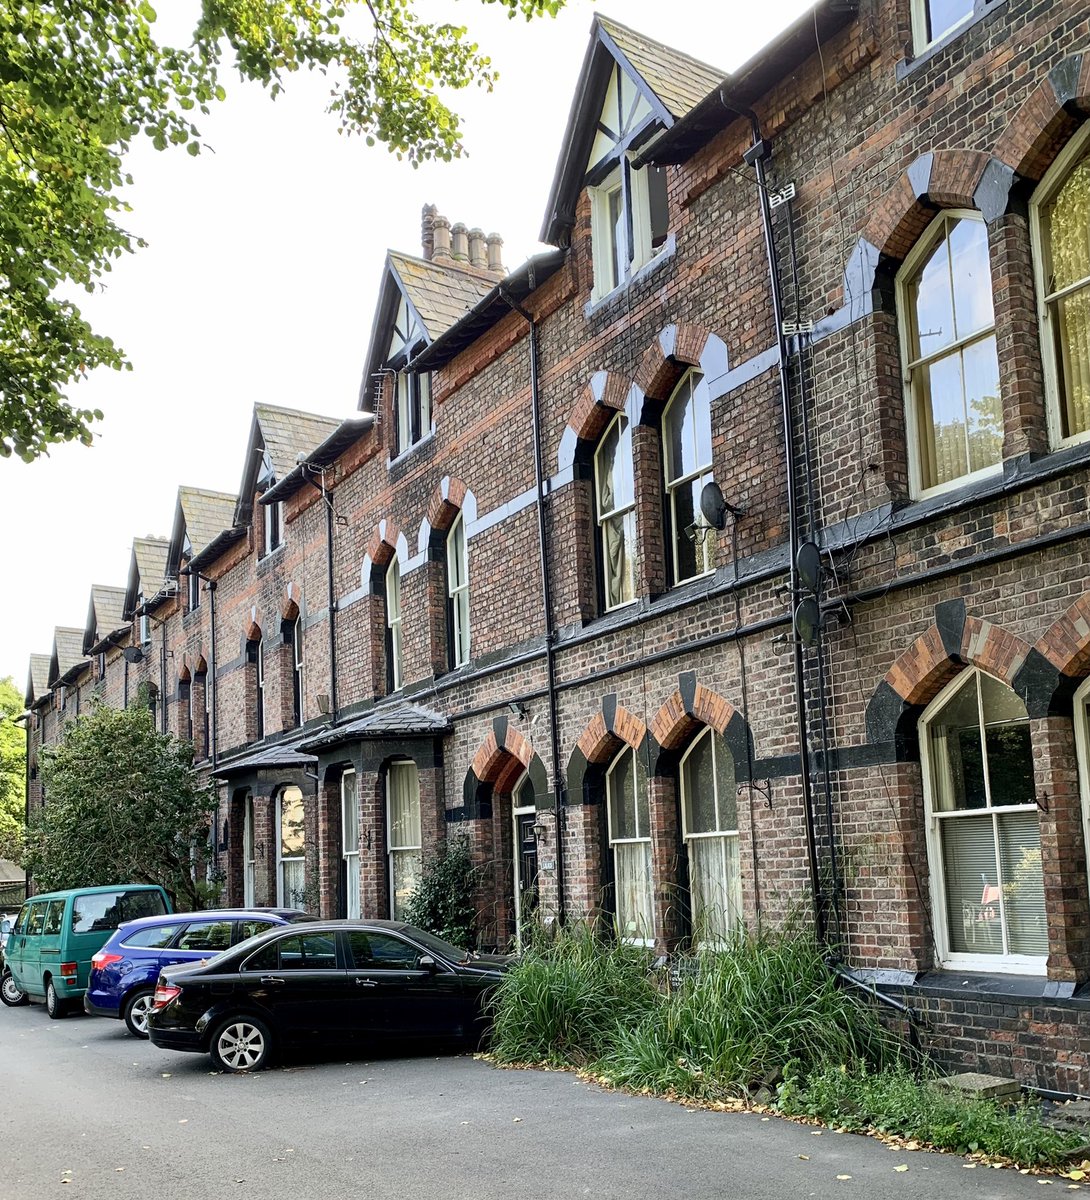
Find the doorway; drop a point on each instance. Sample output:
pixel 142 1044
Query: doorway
pixel 524 840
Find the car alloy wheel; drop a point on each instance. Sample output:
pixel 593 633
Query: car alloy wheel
pixel 241 1044
pixel 10 992
pixel 137 1008
pixel 54 1005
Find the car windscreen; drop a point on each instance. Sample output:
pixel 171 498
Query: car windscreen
pixel 106 910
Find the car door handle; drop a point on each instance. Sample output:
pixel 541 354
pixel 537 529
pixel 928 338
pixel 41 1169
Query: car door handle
pixel 270 979
pixel 366 982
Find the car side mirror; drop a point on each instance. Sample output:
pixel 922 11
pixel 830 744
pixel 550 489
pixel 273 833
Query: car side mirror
pixel 426 963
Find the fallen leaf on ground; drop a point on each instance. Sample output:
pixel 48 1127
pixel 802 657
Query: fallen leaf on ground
pixel 843 1177
pixel 805 1157
pixel 902 1167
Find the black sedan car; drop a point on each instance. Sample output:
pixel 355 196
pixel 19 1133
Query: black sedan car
pixel 334 982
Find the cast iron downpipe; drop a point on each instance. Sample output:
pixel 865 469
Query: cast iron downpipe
pixel 756 156
pixel 546 592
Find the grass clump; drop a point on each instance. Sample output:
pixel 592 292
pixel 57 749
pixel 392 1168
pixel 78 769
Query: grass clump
pixel 740 1017
pixel 563 1001
pixel 895 1101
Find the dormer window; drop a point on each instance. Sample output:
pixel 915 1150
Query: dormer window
pixel 194 590
pixel 144 621
pixel 274 513
pixel 412 393
pixel 629 208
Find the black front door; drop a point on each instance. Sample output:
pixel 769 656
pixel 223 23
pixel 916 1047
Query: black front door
pixel 526 856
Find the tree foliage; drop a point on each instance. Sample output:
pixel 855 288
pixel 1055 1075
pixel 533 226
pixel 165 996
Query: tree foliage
pixel 12 771
pixel 123 805
pixel 80 80
pixel 443 902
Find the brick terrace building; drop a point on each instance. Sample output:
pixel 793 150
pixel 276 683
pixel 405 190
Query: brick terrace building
pixel 849 286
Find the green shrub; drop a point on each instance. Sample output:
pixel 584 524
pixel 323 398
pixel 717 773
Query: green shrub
pixel 562 1002
pixel 894 1101
pixel 741 1016
pixel 443 901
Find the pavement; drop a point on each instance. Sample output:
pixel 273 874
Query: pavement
pixel 89 1111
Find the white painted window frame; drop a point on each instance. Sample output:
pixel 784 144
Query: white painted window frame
pixel 675 483
pixel 627 512
pixel 1010 964
pixel 639 840
pixel 350 851
pixel 458 593
pixel 282 898
pixel 911 266
pixel 393 849
pixel 393 622
pixel 719 834
pixel 921 41
pixel 1053 180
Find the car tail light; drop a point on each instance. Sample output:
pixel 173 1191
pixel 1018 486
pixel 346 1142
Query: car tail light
pixel 102 960
pixel 69 971
pixel 164 993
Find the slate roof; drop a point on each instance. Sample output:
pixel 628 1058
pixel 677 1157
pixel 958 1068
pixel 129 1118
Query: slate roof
pixel 207 514
pixel 151 562
pixel 68 656
pixel 677 79
pixel 269 757
pixel 37 686
pixel 105 615
pixel 440 293
pixel 398 720
pixel 286 432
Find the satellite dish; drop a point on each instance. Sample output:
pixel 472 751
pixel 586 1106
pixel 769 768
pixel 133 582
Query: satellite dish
pixel 713 505
pixel 132 654
pixel 808 562
pixel 808 621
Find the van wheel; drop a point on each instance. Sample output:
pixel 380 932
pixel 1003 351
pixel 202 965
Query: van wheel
pixel 54 1005
pixel 9 991
pixel 137 1008
pixel 241 1044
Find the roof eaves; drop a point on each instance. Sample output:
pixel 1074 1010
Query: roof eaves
pixel 748 84
pixel 217 546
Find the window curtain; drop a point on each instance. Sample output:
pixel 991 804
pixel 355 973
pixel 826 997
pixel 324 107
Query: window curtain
pixel 404 835
pixel 1068 240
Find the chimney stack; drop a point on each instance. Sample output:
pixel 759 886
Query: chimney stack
pixel 495 260
pixel 459 242
pixel 427 239
pixel 478 255
pixel 440 232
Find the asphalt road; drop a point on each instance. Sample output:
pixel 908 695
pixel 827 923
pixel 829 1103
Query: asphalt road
pixel 86 1110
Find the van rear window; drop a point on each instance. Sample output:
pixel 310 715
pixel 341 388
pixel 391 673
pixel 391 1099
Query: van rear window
pixel 107 910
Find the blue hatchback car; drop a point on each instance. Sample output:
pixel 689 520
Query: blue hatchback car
pixel 124 971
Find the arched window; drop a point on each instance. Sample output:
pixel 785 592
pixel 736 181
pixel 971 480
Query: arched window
pixel 403 834
pixel 615 493
pixel 687 444
pixel 249 857
pixel 350 842
pixel 457 594
pixel 394 677
pixel 709 819
pixel 951 369
pixel 290 842
pixel 630 845
pixel 297 670
pixel 1061 228
pixel 984 839
pixel 259 692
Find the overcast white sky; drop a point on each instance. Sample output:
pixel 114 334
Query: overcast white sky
pixel 260 280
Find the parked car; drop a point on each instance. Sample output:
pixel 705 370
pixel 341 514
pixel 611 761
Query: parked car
pixel 48 956
pixel 124 971
pixel 334 982
pixel 7 921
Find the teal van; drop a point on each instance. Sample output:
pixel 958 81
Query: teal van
pixel 49 950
